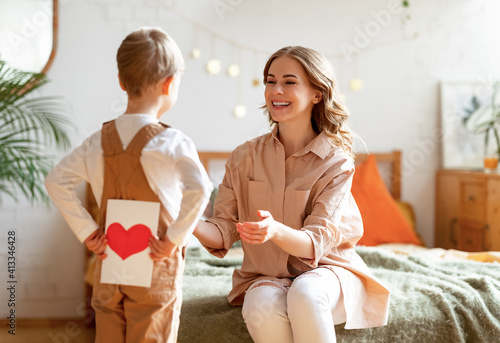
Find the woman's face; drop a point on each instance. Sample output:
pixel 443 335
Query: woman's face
pixel 289 94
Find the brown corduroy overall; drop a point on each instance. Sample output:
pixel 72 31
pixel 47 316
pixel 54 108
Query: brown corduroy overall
pixel 128 313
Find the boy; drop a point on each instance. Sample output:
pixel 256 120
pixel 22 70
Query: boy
pixel 135 157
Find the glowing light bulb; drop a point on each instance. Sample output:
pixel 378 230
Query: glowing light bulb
pixel 356 85
pixel 240 111
pixel 195 53
pixel 213 66
pixel 233 70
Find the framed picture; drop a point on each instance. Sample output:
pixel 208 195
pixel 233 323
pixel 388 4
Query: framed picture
pixel 460 147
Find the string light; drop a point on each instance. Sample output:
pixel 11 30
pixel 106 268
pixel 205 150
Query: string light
pixel 240 111
pixel 356 84
pixel 213 66
pixel 195 53
pixel 255 80
pixel 233 70
pixel 372 47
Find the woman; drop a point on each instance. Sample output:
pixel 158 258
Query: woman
pixel 287 196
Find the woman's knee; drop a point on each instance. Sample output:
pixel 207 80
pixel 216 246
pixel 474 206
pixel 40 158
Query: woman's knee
pixel 264 305
pixel 313 289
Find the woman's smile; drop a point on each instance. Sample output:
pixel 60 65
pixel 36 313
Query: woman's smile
pixel 280 104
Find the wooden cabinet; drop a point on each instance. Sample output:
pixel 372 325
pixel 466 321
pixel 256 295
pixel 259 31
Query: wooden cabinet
pixel 467 210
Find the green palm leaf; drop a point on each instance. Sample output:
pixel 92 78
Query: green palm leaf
pixel 30 127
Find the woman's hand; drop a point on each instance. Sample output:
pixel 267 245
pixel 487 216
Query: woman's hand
pixel 161 248
pixel 96 243
pixel 295 242
pixel 258 232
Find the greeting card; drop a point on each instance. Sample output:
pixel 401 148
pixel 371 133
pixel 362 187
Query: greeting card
pixel 129 224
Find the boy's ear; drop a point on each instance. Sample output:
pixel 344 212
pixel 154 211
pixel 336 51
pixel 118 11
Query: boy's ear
pixel 120 81
pixel 166 84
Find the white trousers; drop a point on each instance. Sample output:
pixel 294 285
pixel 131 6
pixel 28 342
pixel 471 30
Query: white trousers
pixel 305 312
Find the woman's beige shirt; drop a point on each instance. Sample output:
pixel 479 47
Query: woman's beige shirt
pixel 309 191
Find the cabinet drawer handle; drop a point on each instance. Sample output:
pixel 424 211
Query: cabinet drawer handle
pixel 471 198
pixel 484 231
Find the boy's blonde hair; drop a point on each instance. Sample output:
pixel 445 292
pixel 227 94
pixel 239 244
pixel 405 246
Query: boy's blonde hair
pixel 329 115
pixel 145 57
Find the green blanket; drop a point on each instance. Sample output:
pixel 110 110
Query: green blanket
pixel 432 300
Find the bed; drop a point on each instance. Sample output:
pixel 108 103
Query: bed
pixel 436 295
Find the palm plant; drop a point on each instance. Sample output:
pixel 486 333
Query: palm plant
pixel 30 127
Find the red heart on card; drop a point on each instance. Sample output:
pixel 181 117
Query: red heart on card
pixel 128 242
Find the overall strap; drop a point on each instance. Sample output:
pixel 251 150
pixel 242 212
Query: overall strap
pixel 110 140
pixel 144 135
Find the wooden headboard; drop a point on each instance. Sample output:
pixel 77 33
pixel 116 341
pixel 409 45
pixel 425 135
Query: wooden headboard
pixel 391 159
pixel 207 156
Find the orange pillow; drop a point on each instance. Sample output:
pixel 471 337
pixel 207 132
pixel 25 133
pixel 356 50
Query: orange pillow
pixel 382 219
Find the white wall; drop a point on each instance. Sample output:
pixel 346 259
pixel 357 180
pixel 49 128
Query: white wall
pixel 397 109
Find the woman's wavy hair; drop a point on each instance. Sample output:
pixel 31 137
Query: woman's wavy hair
pixel 329 115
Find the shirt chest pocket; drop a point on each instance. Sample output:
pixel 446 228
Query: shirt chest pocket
pixel 257 198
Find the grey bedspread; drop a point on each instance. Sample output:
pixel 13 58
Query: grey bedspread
pixel 432 300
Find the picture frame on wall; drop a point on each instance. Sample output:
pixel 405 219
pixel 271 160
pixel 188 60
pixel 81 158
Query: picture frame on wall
pixel 461 148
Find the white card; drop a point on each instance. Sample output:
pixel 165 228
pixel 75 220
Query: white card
pixel 129 223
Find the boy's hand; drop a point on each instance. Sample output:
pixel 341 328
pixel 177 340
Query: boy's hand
pixel 160 248
pixel 97 242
